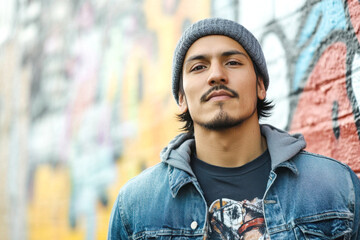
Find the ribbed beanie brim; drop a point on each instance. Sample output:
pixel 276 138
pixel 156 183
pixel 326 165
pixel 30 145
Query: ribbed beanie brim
pixel 216 26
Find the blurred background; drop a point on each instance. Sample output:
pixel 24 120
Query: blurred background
pixel 86 103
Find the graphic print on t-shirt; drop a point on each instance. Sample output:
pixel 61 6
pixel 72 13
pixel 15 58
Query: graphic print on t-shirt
pixel 232 220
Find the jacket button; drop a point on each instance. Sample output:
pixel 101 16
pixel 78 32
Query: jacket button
pixel 194 225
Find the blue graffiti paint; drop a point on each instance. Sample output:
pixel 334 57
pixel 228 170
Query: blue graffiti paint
pixel 325 17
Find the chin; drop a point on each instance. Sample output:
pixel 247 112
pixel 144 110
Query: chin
pixel 221 121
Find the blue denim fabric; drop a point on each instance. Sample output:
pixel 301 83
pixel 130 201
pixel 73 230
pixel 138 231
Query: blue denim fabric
pixel 166 211
pixel 307 197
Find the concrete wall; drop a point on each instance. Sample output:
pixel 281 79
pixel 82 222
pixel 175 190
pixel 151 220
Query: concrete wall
pixel 85 100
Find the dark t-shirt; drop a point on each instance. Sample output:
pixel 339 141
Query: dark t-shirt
pixel 234 197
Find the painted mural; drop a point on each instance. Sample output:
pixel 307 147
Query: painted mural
pixel 85 100
pixel 321 100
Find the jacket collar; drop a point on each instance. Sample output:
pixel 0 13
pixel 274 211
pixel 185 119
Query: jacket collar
pixel 282 146
pixel 178 178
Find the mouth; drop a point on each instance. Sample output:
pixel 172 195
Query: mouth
pixel 219 95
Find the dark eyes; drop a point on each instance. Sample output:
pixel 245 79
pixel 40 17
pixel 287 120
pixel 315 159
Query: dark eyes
pixel 233 63
pixel 201 67
pixel 198 68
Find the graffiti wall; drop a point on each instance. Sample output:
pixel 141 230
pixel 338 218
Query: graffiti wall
pixel 316 80
pixel 85 100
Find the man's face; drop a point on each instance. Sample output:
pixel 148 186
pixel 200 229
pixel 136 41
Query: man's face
pixel 219 82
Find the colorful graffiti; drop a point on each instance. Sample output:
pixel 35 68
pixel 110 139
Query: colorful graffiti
pixel 322 63
pixel 94 107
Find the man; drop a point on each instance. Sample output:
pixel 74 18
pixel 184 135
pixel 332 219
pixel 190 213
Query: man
pixel 228 177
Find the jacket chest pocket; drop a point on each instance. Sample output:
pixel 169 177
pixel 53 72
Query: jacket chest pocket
pixel 327 229
pixel 171 238
pixel 161 235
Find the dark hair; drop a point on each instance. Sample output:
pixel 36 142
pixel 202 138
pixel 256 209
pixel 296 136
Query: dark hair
pixel 263 107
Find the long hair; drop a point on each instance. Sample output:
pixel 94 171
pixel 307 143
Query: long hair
pixel 263 107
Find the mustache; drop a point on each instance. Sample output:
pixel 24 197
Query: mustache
pixel 216 88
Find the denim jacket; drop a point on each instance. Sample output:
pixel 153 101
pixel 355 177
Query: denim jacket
pixel 308 196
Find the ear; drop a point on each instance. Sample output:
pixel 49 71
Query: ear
pixel 182 102
pixel 261 91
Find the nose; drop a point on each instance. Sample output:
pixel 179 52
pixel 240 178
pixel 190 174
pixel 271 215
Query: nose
pixel 217 75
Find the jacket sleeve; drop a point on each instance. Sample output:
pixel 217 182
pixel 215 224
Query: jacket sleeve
pixel 116 226
pixel 356 227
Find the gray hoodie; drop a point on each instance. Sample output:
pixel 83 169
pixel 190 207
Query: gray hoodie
pixel 282 146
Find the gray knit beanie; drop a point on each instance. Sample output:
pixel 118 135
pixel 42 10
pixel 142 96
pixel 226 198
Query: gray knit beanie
pixel 216 26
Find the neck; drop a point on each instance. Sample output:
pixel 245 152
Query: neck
pixel 231 147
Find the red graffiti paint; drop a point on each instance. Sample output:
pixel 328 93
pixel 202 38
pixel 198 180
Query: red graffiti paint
pixel 324 113
pixel 354 11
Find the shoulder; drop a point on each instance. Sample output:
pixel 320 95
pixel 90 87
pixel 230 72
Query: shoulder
pixel 140 193
pixel 305 160
pixel 323 171
pixel 146 181
pixel 318 179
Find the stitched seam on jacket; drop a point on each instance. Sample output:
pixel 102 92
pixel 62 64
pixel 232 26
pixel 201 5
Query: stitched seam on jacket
pixel 123 220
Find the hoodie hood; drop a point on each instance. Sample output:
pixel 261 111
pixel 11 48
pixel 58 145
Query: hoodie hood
pixel 282 146
pixel 178 152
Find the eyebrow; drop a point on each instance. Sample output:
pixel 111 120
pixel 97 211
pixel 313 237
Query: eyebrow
pixel 233 52
pixel 224 54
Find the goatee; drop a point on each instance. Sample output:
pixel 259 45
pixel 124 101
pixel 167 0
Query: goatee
pixel 221 122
